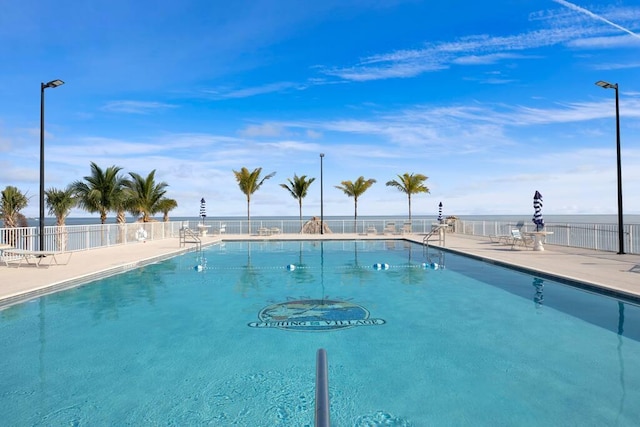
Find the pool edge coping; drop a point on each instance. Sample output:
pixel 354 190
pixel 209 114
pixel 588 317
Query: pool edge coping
pixel 81 280
pixel 594 287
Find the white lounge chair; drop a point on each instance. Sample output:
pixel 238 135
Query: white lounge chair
pixel 507 239
pixel 406 228
pixel 389 228
pixel 3 248
pixel 519 239
pixel 36 258
pixel 501 238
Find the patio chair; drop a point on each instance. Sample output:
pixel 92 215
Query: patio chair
pixel 406 228
pixel 507 239
pixel 35 258
pixel 520 239
pixel 390 228
pixel 500 238
pixel 3 257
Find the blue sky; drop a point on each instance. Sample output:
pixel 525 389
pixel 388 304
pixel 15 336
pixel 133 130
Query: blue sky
pixel 491 100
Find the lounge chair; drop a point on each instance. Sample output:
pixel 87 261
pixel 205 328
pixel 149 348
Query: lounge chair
pixel 406 228
pixel 519 239
pixel 507 239
pixel 36 258
pixel 389 228
pixel 3 248
pixel 371 229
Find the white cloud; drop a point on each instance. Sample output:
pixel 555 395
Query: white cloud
pixel 313 134
pixel 616 66
pixel 564 28
pixel 225 93
pixel 264 130
pixel 488 59
pixel 596 16
pixel 136 107
pixel 605 42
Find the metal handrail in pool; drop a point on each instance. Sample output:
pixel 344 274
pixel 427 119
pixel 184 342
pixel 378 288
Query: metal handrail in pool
pixel 322 390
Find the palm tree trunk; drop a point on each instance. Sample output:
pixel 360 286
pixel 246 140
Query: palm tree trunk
pixel 355 215
pixel 300 204
pixel 61 234
pixel 248 215
pixel 409 207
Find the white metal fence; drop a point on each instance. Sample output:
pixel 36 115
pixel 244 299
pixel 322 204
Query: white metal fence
pixel 602 237
pixel 82 237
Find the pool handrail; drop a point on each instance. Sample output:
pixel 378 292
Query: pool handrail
pixel 322 418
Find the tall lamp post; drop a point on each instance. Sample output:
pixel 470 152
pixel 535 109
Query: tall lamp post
pixel 43 86
pixel 321 200
pixel 607 85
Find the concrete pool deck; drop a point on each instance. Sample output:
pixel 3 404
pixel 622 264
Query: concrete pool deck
pixel 607 270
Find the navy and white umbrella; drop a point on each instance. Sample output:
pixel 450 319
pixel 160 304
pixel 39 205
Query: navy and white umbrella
pixel 440 212
pixel 537 211
pixel 203 209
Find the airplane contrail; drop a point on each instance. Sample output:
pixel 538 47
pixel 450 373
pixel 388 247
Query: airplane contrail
pixel 593 15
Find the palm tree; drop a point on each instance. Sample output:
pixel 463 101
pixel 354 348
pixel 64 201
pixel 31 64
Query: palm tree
pixel 355 190
pixel 298 189
pixel 144 195
pixel 101 191
pixel 11 203
pixel 249 183
pixel 410 184
pixel 165 205
pixel 122 202
pixel 60 203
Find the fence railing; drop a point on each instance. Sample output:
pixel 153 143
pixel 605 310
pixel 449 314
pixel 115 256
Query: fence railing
pixel 82 237
pixel 602 237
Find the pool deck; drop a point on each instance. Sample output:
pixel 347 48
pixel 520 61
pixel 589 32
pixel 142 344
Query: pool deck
pixel 618 274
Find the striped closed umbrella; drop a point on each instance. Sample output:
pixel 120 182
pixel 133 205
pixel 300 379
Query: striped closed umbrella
pixel 440 212
pixel 203 209
pixel 537 211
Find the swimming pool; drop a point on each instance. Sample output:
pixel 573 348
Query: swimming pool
pixel 234 344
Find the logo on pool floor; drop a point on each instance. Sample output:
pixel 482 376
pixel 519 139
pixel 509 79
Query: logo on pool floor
pixel 314 315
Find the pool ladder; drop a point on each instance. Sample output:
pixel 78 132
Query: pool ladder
pixel 322 416
pixel 436 230
pixel 189 236
pixel 440 232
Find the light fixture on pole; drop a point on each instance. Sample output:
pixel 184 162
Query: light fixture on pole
pixel 607 85
pixel 43 86
pixel 321 200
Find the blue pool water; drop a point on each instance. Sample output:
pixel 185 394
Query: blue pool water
pixel 235 343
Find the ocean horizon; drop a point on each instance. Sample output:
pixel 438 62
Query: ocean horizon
pixel 549 219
